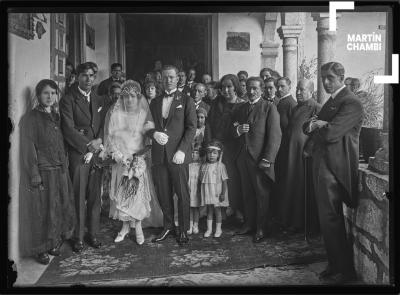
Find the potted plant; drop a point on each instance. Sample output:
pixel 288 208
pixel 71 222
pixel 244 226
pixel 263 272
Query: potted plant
pixel 308 70
pixel 372 99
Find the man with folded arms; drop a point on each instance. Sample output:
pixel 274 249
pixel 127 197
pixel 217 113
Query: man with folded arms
pixel 334 150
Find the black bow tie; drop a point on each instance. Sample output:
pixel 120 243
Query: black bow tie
pixel 166 95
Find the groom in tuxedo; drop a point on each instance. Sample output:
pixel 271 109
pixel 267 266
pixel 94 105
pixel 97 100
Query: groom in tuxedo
pixel 175 122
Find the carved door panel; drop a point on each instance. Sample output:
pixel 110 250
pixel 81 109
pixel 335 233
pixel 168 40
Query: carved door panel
pixel 58 48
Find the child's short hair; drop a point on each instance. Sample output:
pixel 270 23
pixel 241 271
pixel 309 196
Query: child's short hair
pixel 215 144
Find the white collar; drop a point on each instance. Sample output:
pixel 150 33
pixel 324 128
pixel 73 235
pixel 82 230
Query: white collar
pixel 170 92
pixel 286 95
pixel 84 93
pixel 255 101
pixel 197 103
pixel 337 91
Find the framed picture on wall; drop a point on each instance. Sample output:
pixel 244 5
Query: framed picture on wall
pixel 21 24
pixel 90 37
pixel 238 41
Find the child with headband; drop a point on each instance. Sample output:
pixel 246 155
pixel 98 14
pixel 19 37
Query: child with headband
pixel 213 186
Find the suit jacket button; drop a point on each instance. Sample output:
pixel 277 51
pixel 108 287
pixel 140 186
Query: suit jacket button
pixel 92 125
pixel 165 129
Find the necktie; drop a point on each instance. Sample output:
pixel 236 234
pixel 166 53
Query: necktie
pixel 250 109
pixel 87 99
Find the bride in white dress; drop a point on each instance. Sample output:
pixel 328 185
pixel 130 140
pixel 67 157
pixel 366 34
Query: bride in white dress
pixel 132 193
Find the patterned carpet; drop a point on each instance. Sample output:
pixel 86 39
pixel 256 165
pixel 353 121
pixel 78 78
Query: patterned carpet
pixel 127 260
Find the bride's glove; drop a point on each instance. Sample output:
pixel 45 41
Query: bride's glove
pixel 160 137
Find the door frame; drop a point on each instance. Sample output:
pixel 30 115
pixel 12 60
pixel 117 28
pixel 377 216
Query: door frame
pixel 211 46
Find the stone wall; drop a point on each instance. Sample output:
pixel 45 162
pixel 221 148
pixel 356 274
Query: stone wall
pixel 368 228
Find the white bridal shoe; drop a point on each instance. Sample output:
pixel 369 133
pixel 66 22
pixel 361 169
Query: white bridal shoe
pixel 121 236
pixel 139 237
pixel 195 229
pixel 139 233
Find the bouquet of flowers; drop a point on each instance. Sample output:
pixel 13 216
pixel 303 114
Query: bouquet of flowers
pixel 135 167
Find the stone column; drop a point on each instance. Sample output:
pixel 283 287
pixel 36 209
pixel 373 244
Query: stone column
pixel 269 47
pixel 326 48
pixel 289 34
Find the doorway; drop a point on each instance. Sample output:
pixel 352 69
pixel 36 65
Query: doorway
pixel 181 40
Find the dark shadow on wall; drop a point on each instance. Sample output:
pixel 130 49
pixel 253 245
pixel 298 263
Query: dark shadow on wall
pixel 26 198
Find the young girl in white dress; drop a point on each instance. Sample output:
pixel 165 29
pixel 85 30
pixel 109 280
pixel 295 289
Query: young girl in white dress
pixel 214 187
pixel 194 171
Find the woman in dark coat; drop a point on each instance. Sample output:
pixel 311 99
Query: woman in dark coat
pixel 291 181
pixel 50 215
pixel 220 120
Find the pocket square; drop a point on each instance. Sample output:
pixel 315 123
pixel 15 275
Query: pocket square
pixel 99 109
pixel 179 106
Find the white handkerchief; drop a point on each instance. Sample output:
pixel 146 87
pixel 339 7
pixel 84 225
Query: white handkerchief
pixel 99 109
pixel 179 106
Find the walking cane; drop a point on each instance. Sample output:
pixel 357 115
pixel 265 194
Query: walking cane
pixel 305 200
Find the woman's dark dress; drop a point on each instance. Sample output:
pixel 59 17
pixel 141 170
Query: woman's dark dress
pixel 290 199
pixel 220 122
pixel 49 211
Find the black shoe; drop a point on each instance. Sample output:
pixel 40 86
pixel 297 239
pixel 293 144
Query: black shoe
pixel 259 236
pixel 93 242
pixel 244 230
pixel 182 239
pixel 326 273
pixel 77 246
pixel 164 234
pixel 177 232
pixel 56 250
pixel 43 258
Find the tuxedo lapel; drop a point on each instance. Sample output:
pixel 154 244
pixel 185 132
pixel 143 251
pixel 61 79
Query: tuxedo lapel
pixel 158 109
pixel 175 102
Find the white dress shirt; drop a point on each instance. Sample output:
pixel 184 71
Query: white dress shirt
pixel 167 101
pixel 255 101
pixel 286 95
pixel 86 95
pixel 337 91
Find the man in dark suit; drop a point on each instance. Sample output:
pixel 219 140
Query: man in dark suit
pixel 286 102
pixel 256 123
pixel 81 123
pixel 198 93
pixel 270 90
pixel 334 134
pixel 191 78
pixel 116 74
pixel 175 122
pixel 182 87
